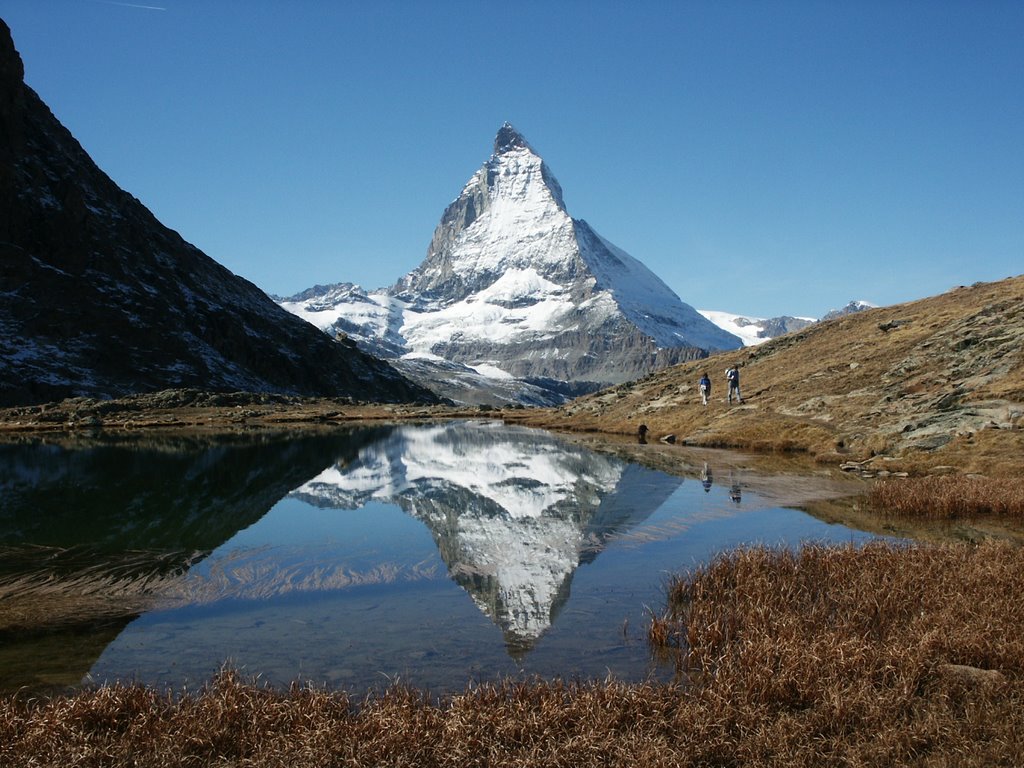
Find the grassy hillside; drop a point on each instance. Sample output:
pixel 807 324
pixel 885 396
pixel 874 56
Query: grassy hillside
pixel 932 383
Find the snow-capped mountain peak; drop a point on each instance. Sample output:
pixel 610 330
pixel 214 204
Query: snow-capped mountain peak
pixel 857 305
pixel 756 330
pixel 512 282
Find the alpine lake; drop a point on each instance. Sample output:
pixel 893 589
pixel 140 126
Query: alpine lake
pixel 437 555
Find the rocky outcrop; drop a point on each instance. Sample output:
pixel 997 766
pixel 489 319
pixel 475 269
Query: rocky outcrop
pixel 779 326
pixel 100 299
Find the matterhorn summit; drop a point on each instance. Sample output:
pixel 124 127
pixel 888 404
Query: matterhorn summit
pixel 508 227
pixel 514 288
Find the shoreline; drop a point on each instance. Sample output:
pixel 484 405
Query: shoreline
pixel 991 452
pixel 892 677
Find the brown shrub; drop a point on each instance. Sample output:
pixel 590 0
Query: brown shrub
pixel 948 497
pixel 843 652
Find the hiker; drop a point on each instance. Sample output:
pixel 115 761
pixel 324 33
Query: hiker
pixel 705 388
pixel 732 376
pixel 641 434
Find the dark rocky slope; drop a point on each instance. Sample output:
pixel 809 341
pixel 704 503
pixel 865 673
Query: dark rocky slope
pixel 100 299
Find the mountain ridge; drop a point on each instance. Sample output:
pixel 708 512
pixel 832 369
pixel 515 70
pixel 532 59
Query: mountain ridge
pixel 102 300
pixel 935 385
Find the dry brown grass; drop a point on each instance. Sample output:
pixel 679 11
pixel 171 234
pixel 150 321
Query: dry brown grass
pixel 881 655
pixel 949 497
pixel 233 723
pixel 825 656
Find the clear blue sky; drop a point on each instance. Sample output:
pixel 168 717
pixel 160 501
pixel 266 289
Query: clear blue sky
pixel 761 157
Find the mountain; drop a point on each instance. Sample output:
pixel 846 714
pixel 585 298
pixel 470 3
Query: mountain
pixel 849 309
pixel 756 330
pixel 100 299
pixel 932 384
pixel 512 285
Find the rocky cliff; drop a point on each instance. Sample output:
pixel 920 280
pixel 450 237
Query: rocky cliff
pixel 101 299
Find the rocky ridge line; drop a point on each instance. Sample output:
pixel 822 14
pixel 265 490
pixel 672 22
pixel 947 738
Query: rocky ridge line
pixel 102 300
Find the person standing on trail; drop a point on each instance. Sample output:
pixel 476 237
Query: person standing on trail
pixel 705 388
pixel 732 376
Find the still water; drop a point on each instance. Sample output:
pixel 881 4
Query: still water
pixel 435 555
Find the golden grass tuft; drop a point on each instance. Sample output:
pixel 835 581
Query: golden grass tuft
pixel 949 497
pixel 844 654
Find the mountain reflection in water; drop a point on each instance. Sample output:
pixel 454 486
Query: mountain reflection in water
pixel 513 511
pixel 440 553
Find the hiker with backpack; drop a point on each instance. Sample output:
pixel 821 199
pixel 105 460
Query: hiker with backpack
pixel 732 376
pixel 705 388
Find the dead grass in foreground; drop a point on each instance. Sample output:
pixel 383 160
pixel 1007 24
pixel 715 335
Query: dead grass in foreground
pixel 881 655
